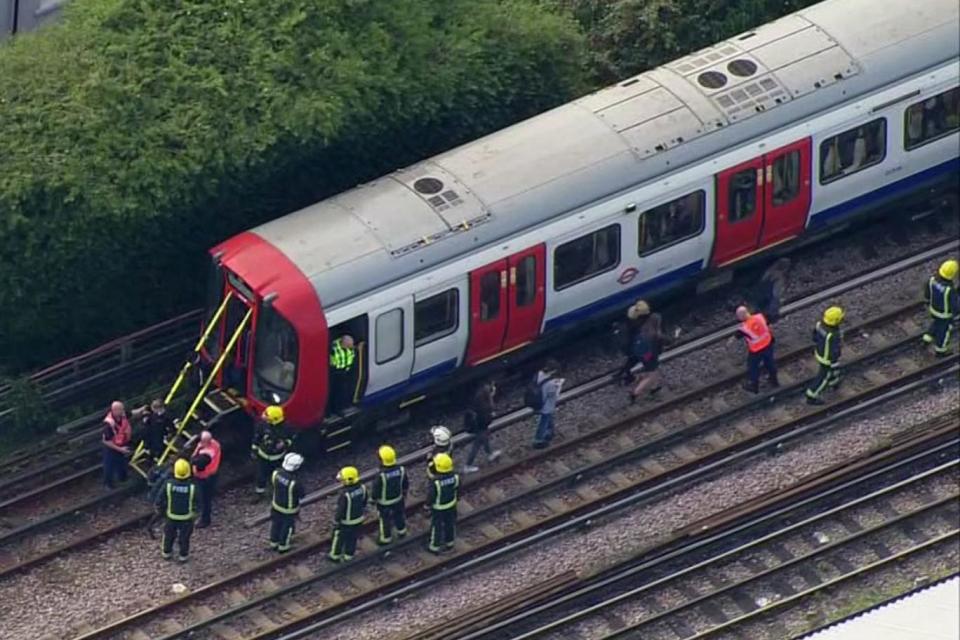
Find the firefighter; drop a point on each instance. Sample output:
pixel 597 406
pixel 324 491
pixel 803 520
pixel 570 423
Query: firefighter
pixel 389 492
pixel 442 499
pixel 177 500
pixel 270 444
pixel 351 505
pixel 206 465
pixel 287 493
pixel 759 339
pixel 827 340
pixel 342 357
pixel 442 443
pixel 941 296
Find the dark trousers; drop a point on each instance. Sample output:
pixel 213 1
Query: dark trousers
pixel 939 335
pixel 754 360
pixel 208 487
pixel 391 515
pixel 443 528
pixel 174 531
pixel 626 373
pixel 481 439
pixel 341 390
pixel 343 546
pixel 282 526
pixel 827 376
pixel 265 469
pixel 114 466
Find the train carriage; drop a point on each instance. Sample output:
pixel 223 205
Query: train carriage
pixel 455 265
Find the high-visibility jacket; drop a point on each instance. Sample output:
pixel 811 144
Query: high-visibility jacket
pixel 270 442
pixel 942 298
pixel 211 449
pixel 351 504
pixel 390 485
pixel 121 431
pixel 287 492
pixel 756 332
pixel 341 358
pixel 444 491
pixel 178 499
pixel 827 344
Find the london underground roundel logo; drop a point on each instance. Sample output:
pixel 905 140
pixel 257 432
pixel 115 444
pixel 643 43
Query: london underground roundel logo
pixel 627 275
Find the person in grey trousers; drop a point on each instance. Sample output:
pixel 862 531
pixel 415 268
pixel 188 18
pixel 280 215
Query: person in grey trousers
pixel 550 385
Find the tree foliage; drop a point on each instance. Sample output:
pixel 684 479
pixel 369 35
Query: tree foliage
pixel 137 133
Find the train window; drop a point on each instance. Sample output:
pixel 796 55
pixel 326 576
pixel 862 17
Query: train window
pixel 671 222
pixel 275 357
pixel 436 317
pixel 786 178
pixel 743 195
pixel 931 119
pixel 526 281
pixel 490 295
pixel 855 149
pixel 389 335
pixel 585 257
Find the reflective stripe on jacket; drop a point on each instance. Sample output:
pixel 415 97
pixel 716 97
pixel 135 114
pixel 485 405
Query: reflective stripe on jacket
pixel 351 505
pixel 341 358
pixel 756 332
pixel 444 492
pixel 270 441
pixel 939 294
pixel 287 492
pixel 390 486
pixel 121 432
pixel 826 342
pixel 181 500
pixel 212 450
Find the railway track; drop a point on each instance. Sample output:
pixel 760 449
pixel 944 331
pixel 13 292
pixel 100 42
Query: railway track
pixel 717 575
pixel 81 514
pixel 597 471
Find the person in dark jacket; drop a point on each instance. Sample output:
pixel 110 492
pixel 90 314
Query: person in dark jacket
pixel 157 427
pixel 477 421
pixel 637 315
pixel 177 501
pixel 442 443
pixel 351 505
pixel 271 442
pixel 389 492
pixel 648 346
pixel 288 492
pixel 768 294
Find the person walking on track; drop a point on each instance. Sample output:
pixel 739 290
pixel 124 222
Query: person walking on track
pixel 389 492
pixel 178 502
pixel 442 498
pixel 288 492
pixel 477 421
pixel 940 293
pixel 351 505
pixel 637 316
pixel 206 466
pixel 827 341
pixel 756 333
pixel 648 345
pixel 542 395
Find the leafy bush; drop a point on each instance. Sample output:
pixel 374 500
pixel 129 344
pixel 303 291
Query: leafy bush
pixel 138 133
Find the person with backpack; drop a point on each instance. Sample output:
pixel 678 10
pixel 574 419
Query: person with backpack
pixel 637 315
pixel 541 395
pixel 477 421
pixel 647 347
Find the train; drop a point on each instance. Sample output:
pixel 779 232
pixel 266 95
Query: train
pixel 670 180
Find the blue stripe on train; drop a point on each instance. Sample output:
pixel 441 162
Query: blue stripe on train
pixel 886 192
pixel 411 383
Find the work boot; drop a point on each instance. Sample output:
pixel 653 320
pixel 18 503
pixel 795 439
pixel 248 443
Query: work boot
pixel 752 388
pixel 815 401
pixel 203 525
pixel 493 456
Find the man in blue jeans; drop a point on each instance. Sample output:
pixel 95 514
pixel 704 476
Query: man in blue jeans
pixel 550 386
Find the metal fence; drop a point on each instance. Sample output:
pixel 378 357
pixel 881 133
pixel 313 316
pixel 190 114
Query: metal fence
pixel 18 16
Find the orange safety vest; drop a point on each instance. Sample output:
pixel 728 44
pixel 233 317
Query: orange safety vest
pixel 757 333
pixel 122 432
pixel 212 450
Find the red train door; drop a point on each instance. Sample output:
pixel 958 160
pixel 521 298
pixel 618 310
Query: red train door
pixel 488 311
pixel 526 296
pixel 507 301
pixel 739 211
pixel 786 192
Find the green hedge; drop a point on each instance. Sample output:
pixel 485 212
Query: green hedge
pixel 138 133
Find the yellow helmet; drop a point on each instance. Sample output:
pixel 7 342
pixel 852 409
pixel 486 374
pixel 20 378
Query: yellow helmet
pixel 387 455
pixel 948 270
pixel 349 475
pixel 273 414
pixel 443 462
pixel 833 316
pixel 181 469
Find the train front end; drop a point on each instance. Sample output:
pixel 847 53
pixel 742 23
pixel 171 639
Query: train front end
pixel 265 327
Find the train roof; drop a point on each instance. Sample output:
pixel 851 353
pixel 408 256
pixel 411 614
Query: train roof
pixel 635 131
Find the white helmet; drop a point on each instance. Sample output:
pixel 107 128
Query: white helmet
pixel 441 435
pixel 292 462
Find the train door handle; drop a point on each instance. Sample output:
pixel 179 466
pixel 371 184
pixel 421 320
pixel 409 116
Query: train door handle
pixel 513 276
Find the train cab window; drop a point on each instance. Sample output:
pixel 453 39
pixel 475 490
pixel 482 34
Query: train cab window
pixel 586 257
pixel 276 357
pixel 436 317
pixel 389 336
pixel 786 178
pixel 931 119
pixel 671 222
pixel 853 150
pixel 526 273
pixel 490 295
pixel 743 195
